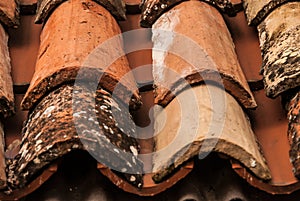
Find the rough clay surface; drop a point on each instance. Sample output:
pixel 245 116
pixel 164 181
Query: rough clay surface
pixel 82 35
pixel 6 83
pixel 75 117
pixel 9 13
pixel 201 120
pixel 46 7
pixel 191 45
pixel 153 9
pixel 257 11
pixel 279 37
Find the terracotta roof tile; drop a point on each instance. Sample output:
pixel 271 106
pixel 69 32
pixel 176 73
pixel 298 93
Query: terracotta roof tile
pixel 181 139
pixel 9 13
pixel 207 60
pixel 45 8
pixel 257 11
pixel 7 107
pixel 116 7
pixel 153 9
pixel 279 36
pixel 55 128
pixel 6 89
pixel 82 37
pixel 71 29
pixel 3 178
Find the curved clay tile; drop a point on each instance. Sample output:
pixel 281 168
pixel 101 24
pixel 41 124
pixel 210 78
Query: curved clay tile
pixel 153 9
pixel 6 84
pixel 9 13
pixel 294 132
pixel 257 11
pixel 192 44
pixel 198 121
pixel 116 7
pixel 82 36
pixel 67 119
pixel 6 97
pixel 88 115
pixel 3 178
pixel 46 7
pixel 279 35
pixel 279 40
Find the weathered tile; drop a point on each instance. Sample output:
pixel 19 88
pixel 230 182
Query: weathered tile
pixel 46 7
pixel 294 132
pixel 3 178
pixel 6 84
pixel 256 11
pixel 279 37
pixel 9 13
pixel 201 120
pixel 153 9
pixel 72 118
pixel 116 7
pixel 192 44
pixel 82 34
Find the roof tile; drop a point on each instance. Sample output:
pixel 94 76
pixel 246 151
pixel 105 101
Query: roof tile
pixel 257 11
pixel 201 50
pixel 55 120
pixel 279 39
pixel 45 8
pixel 201 120
pixel 9 13
pixel 6 89
pixel 294 132
pixel 70 49
pixel 63 121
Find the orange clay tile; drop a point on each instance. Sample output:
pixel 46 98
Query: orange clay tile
pixel 269 120
pixel 68 45
pixel 200 50
pixel 23 46
pixel 247 48
pixel 270 127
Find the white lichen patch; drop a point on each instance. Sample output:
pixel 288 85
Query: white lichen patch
pixel 133 150
pixel 48 111
pixel 79 114
pixel 132 178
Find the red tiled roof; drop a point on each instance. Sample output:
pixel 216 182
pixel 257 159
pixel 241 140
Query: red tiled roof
pixel 253 143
